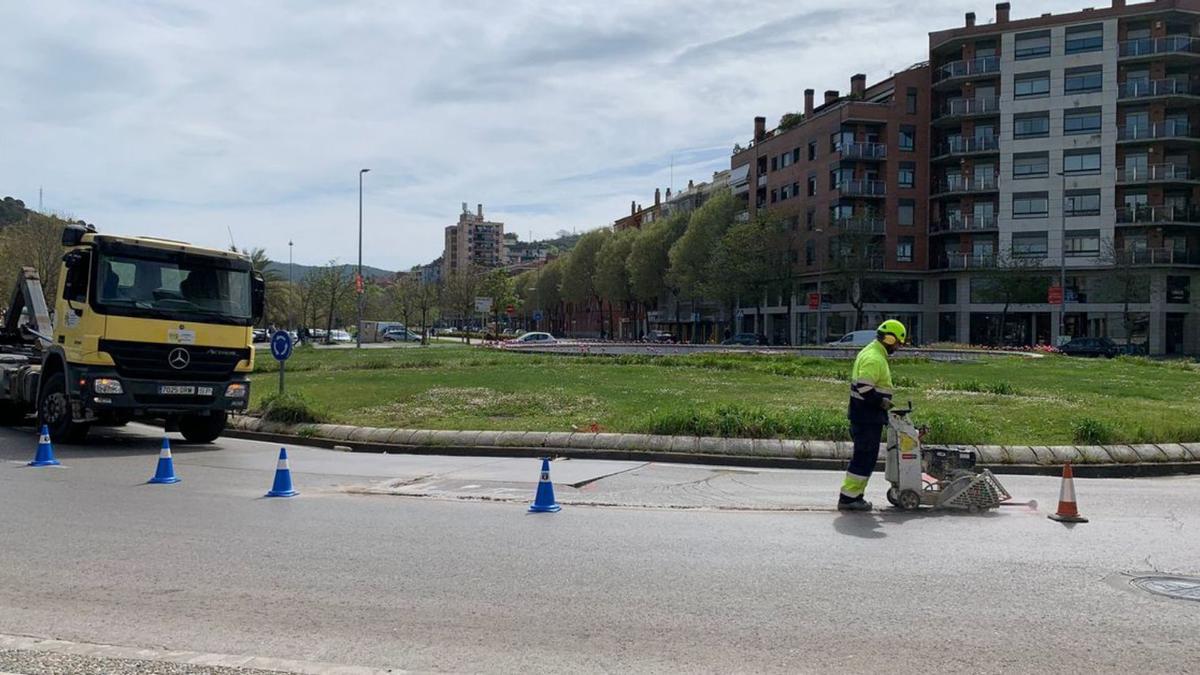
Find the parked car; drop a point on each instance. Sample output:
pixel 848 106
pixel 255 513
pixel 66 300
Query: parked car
pixel 400 335
pixel 1091 346
pixel 260 335
pixel 1133 349
pixel 533 339
pixel 661 336
pixel 858 338
pixel 747 339
pixel 339 336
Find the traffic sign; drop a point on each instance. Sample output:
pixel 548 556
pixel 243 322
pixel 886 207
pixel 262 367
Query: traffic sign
pixel 281 345
pixel 483 305
pixel 537 315
pixel 1055 295
pixel 814 300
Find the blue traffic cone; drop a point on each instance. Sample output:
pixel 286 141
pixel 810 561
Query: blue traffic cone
pixel 165 473
pixel 544 502
pixel 45 451
pixel 283 478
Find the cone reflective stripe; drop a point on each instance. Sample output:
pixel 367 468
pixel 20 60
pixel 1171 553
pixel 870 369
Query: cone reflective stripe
pixel 543 501
pixel 283 478
pixel 45 450
pixel 1068 510
pixel 165 473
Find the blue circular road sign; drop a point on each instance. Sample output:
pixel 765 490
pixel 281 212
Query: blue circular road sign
pixel 281 345
pixel 537 315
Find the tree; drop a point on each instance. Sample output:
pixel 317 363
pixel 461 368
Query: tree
pixel 332 289
pixel 649 259
pixel 501 288
pixel 459 295
pixel 753 258
pixel 579 270
pixel 549 292
pixel 1013 279
pixel 428 298
pixel 612 271
pixel 1126 282
pixel 694 266
pixel 857 253
pixel 402 298
pixel 35 242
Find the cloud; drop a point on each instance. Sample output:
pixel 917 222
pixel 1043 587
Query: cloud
pixel 192 119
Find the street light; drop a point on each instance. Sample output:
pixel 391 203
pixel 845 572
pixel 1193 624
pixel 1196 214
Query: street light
pixel 1062 261
pixel 359 284
pixel 291 289
pixel 820 295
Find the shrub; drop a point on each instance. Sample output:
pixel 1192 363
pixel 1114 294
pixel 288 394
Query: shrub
pixel 1089 431
pixel 290 409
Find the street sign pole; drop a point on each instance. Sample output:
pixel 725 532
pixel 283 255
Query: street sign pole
pixel 281 349
pixel 282 364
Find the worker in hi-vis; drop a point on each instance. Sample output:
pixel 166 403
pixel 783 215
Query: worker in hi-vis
pixel 870 399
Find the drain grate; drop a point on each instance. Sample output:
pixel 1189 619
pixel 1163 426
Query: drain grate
pixel 1181 588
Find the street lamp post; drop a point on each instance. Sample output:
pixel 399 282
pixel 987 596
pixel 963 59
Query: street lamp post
pixel 820 295
pixel 1062 261
pixel 359 284
pixel 291 289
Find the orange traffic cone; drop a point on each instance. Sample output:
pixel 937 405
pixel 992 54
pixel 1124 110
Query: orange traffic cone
pixel 1068 512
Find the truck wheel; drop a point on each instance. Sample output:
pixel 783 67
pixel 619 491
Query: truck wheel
pixel 54 411
pixel 202 428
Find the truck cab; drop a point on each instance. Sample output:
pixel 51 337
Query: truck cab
pixel 148 329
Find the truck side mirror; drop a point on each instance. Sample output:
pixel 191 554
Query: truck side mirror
pixel 258 296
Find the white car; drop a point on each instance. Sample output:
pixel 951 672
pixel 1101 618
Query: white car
pixel 859 338
pixel 534 339
pixel 339 336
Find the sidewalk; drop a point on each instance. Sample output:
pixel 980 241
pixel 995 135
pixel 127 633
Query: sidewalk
pixel 1090 460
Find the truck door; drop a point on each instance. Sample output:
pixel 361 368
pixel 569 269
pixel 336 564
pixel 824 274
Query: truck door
pixel 77 329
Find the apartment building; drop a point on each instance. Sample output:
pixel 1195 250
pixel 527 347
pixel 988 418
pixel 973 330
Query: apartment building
pixel 1069 144
pixel 1063 147
pixel 850 177
pixel 472 243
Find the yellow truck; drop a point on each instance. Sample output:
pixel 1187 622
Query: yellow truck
pixel 143 329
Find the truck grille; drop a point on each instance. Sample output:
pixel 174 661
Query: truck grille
pixel 147 360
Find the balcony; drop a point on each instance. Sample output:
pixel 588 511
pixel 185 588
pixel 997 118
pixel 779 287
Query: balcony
pixel 957 146
pixel 762 181
pixel 1158 256
pixel 965 184
pixel 874 151
pixel 1181 46
pixel 1147 89
pixel 1158 215
pixel 863 188
pixel 861 224
pixel 1155 173
pixel 1162 131
pixel 959 108
pixel 957 70
pixel 965 261
pixel 967 222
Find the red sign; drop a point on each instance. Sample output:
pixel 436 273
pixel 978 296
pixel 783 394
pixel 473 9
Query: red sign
pixel 814 300
pixel 510 310
pixel 358 284
pixel 1055 295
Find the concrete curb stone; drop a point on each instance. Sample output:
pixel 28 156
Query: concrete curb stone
pixel 739 446
pixel 1123 453
pixel 1091 454
pixel 557 439
pixel 711 445
pixel 360 434
pixel 768 447
pixel 1021 454
pixel 401 436
pixel 844 450
pixel 534 439
pixel 1193 448
pixel 1149 453
pixel 488 438
pixel 685 444
pixel 1175 452
pixel 339 432
pixel 379 435
pixel 991 454
pixel 511 439
pixel 420 437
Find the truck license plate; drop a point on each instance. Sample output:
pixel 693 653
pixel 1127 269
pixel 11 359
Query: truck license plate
pixel 176 390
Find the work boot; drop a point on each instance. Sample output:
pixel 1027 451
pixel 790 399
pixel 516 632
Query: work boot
pixel 859 504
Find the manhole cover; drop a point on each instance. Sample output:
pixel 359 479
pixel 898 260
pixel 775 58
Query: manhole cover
pixel 1182 588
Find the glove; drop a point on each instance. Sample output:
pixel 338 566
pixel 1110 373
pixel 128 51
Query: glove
pixel 887 404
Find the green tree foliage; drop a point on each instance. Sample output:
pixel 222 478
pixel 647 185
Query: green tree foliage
pixel 612 267
pixel 649 257
pixel 1012 280
pixel 752 258
pixel 694 269
pixel 579 272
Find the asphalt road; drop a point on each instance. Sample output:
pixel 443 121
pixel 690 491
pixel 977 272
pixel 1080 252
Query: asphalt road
pixel 697 569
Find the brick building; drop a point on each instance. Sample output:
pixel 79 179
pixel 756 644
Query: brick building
pixel 472 243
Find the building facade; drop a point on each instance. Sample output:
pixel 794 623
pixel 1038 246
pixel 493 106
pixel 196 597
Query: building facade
pixel 472 243
pixel 1064 149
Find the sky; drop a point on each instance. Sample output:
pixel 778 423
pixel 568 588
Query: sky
pixel 211 121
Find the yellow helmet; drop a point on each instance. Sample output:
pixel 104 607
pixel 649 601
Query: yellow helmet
pixel 894 328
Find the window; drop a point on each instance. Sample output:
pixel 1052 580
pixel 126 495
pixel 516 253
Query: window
pixel 948 291
pixel 1082 243
pixel 908 174
pixel 75 286
pixel 910 100
pixel 1078 162
pixel 1031 84
pixel 1030 204
pixel 1029 244
pixel 796 189
pixel 810 219
pixel 796 156
pixel 906 213
pixel 1084 39
pixel 785 192
pixel 1032 45
pixel 1031 165
pixel 1031 125
pixel 774 163
pixel 812 185
pixel 908 137
pixel 1082 203
pixel 812 150
pixel 834 138
pixel 774 195
pixel 904 249
pixel 1086 121
pixel 810 253
pixel 1080 80
pixel 785 160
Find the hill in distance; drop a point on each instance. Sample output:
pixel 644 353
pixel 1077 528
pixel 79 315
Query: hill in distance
pixel 300 271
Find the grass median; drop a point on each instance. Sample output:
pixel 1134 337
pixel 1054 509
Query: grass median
pixel 993 400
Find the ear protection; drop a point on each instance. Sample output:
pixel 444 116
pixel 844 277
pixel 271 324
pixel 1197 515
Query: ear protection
pixel 888 339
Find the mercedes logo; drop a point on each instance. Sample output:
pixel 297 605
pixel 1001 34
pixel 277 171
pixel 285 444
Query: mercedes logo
pixel 179 358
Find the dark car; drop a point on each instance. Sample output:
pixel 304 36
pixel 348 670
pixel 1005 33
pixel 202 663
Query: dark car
pixel 1091 346
pixel 747 339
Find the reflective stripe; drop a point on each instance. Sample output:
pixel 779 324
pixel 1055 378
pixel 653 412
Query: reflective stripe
pixel 1067 492
pixel 884 392
pixel 854 486
pixel 282 464
pixel 164 453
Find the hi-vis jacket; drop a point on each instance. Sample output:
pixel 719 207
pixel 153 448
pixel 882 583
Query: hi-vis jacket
pixel 870 385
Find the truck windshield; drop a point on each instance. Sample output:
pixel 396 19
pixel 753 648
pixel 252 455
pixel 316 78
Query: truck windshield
pixel 173 285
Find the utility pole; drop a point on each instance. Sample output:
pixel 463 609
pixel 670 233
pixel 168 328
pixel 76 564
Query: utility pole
pixel 291 289
pixel 359 284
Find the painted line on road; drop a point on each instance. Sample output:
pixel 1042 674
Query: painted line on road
pixel 26 643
